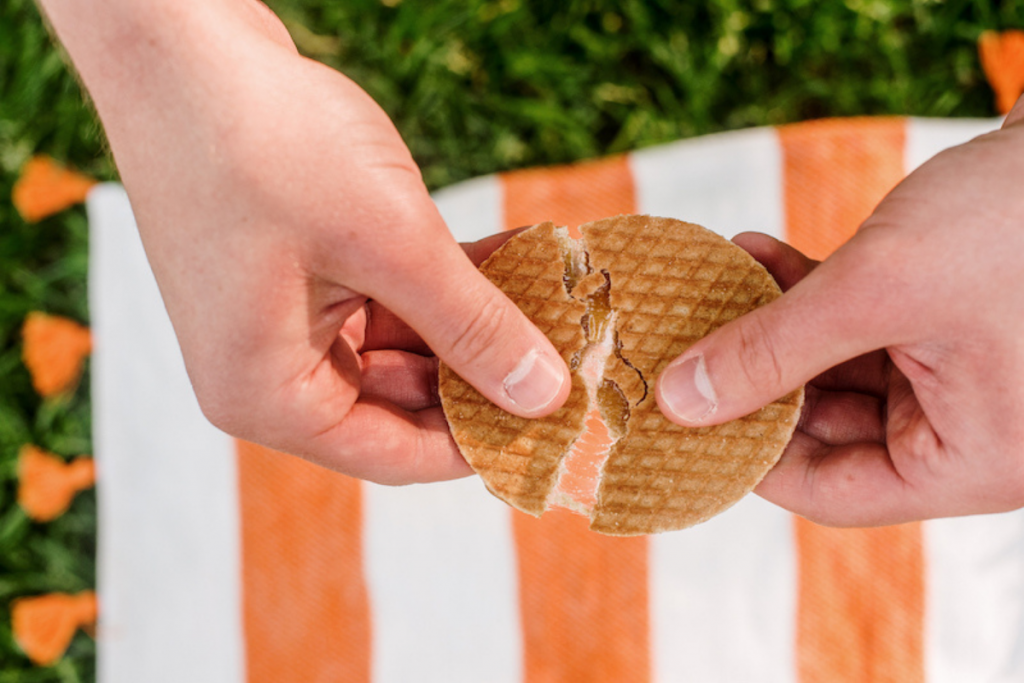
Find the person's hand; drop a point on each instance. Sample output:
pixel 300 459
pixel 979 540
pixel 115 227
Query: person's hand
pixel 308 274
pixel 911 337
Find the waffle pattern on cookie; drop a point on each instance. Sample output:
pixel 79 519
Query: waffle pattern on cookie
pixel 517 458
pixel 671 284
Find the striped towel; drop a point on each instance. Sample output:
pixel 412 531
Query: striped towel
pixel 221 562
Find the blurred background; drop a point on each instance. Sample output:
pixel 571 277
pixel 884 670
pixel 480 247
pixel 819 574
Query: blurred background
pixel 474 87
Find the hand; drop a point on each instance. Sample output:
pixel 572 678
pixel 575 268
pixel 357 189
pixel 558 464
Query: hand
pixel 306 270
pixel 911 337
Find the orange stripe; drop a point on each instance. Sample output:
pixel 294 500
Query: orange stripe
pixel 861 604
pixel 305 609
pixel 836 171
pixel 569 195
pixel 860 613
pixel 583 596
pixel 583 599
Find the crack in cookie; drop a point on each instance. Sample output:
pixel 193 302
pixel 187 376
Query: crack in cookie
pixel 619 305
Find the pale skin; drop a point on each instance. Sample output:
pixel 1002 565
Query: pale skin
pixel 294 242
pixel 911 337
pixel 313 285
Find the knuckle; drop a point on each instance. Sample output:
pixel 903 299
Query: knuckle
pixel 1015 496
pixel 229 405
pixel 759 356
pixel 1009 493
pixel 482 332
pixel 1004 489
pixel 220 410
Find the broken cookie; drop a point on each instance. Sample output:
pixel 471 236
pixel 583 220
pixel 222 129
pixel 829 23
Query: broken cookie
pixel 620 305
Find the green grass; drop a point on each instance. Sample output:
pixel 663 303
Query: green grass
pixel 474 87
pixel 480 86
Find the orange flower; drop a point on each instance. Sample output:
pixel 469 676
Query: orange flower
pixel 46 188
pixel 54 352
pixel 1002 59
pixel 48 484
pixel 43 626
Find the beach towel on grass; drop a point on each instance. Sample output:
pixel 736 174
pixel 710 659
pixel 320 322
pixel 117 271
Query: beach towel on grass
pixel 221 562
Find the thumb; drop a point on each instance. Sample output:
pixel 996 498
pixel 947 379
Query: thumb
pixel 831 316
pixel 480 333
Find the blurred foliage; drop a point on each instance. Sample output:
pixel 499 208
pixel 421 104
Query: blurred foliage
pixel 42 267
pixel 474 87
pixel 478 86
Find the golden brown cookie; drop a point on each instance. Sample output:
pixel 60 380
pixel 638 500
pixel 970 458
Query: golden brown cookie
pixel 647 288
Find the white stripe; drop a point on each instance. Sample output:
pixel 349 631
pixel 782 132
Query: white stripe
pixel 168 557
pixel 727 586
pixel 441 571
pixel 974 626
pixel 928 137
pixel 975 599
pixel 728 183
pixel 723 597
pixel 472 209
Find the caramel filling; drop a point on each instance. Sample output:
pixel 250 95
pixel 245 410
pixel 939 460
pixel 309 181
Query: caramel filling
pixel 608 413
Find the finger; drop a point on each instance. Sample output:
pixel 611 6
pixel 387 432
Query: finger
pixel 849 485
pixel 787 265
pixel 385 330
pixel 842 417
pixel 324 416
pixel 380 442
pixel 867 374
pixel 473 327
pixel 909 431
pixel 834 314
pixel 407 380
pixel 479 251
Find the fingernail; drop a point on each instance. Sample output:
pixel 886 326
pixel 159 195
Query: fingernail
pixel 535 382
pixel 686 390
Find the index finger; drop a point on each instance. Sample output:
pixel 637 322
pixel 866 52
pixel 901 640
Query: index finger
pixel 382 443
pixel 479 251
